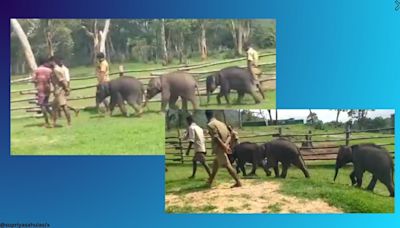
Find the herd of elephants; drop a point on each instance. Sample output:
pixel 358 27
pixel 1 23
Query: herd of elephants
pixel 180 84
pixel 174 85
pixel 365 157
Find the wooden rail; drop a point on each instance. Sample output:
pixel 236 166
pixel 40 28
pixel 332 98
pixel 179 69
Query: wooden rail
pixel 174 145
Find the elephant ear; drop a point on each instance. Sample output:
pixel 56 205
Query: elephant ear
pixel 158 84
pixel 217 77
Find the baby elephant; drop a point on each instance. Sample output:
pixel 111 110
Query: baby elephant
pixel 121 89
pixel 367 157
pixel 286 152
pixel 250 153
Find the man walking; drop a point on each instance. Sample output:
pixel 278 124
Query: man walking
pixel 252 65
pixel 41 79
pixel 60 91
pixel 102 72
pixel 195 136
pixel 221 138
pixel 67 78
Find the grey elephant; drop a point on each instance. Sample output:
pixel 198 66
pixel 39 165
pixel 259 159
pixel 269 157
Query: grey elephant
pixel 286 152
pixel 248 152
pixel 232 78
pixel 121 89
pixel 172 86
pixel 367 157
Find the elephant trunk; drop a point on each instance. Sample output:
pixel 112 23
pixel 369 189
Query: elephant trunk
pixel 336 173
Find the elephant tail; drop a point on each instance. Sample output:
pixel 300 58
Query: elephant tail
pixel 301 156
pixel 196 86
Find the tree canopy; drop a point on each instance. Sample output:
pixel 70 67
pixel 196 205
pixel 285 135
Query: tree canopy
pixel 139 40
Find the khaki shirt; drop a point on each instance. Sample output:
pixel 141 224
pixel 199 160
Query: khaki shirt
pixel 217 129
pixel 102 66
pixel 195 135
pixel 252 56
pixel 58 79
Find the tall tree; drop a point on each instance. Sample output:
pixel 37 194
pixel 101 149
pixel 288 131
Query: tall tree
pixel 98 37
pixel 26 46
pixel 203 40
pixel 163 42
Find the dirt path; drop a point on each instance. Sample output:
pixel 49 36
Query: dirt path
pixel 253 197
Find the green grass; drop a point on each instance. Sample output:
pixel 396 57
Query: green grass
pixel 90 134
pixel 339 194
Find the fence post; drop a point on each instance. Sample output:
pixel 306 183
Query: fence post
pixel 121 70
pixel 348 131
pixel 180 145
pixel 280 132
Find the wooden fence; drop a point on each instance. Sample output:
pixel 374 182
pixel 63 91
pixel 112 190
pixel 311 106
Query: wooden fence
pixel 28 95
pixel 320 149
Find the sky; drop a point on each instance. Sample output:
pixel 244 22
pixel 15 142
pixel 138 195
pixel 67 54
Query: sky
pixel 326 115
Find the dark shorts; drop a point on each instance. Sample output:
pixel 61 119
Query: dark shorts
pixel 199 157
pixel 42 99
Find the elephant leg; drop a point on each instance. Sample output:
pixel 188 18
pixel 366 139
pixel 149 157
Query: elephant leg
pixel 267 172
pixel 240 97
pixel 193 101
pixel 113 102
pixel 241 165
pixel 184 104
pixel 372 184
pixel 387 181
pixel 254 168
pixel 132 101
pixel 122 107
pixel 285 167
pixel 227 98
pixel 353 178
pixel 219 95
pixel 299 164
pixel 359 176
pixel 165 98
pixel 276 171
pixel 255 96
pixel 172 102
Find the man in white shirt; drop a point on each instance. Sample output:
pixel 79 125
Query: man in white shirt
pixel 195 136
pixel 67 78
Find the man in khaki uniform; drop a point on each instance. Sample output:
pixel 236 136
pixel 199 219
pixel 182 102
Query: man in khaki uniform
pixel 195 136
pixel 221 138
pixel 252 65
pixel 102 72
pixel 60 91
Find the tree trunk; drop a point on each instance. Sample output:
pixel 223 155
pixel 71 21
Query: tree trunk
pixel 246 30
pixel 164 43
pixel 337 115
pixel 240 39
pixel 234 34
pixel 103 37
pixel 30 58
pixel 203 42
pixel 276 116
pixel 49 36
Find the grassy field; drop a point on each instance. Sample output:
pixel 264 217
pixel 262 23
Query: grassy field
pixel 93 134
pixel 320 186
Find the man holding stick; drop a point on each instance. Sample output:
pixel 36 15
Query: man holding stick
pixel 221 138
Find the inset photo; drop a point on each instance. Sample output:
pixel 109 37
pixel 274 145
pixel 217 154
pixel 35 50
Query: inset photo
pixel 280 161
pixel 102 86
